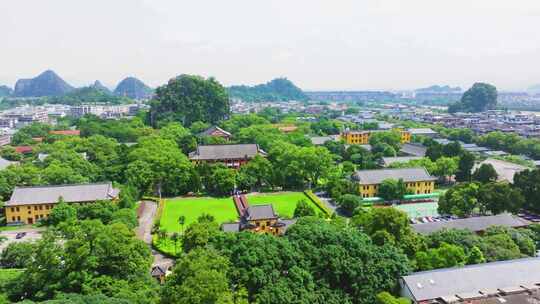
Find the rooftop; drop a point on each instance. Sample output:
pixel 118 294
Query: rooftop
pixel 217 152
pixel 260 212
pixel 212 129
pixel 371 177
pixel 474 280
pixel 474 224
pixel 69 193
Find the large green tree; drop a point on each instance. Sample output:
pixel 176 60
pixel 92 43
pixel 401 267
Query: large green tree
pixel 187 99
pixel 461 200
pixel 480 97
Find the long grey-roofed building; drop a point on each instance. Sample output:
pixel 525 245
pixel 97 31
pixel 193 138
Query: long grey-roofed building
pixel 69 193
pixel 31 204
pixel 474 224
pixel 232 155
pixel 377 176
pixel 475 283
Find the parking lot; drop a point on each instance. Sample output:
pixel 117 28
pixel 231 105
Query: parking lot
pixel 32 234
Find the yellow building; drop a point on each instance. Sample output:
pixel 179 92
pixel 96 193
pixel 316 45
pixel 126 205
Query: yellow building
pixel 417 180
pixel 362 137
pixel 29 205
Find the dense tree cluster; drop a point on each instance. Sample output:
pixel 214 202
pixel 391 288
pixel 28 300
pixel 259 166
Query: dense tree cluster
pixel 188 99
pixel 479 98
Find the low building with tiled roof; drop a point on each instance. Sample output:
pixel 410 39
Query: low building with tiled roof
pixel 232 156
pixel 31 204
pixel 417 180
pixel 216 131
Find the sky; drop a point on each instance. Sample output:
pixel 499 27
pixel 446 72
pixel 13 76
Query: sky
pixel 318 44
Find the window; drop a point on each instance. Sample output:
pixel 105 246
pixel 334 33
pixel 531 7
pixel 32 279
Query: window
pixel 13 218
pixel 18 218
pixel 40 207
pixel 12 209
pixel 17 209
pixel 35 208
pixel 267 223
pixel 257 224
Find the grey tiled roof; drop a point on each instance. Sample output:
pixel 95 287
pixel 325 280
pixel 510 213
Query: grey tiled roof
pixel 70 194
pixel 421 131
pixel 473 224
pixel 216 152
pixel 260 212
pixel 370 177
pixel 210 130
pixel 469 281
pixel 414 149
pixel 320 140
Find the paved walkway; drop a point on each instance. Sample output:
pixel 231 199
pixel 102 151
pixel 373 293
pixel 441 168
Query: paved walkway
pixel 32 234
pixel 144 232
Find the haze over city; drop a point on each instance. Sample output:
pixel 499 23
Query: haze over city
pixel 349 45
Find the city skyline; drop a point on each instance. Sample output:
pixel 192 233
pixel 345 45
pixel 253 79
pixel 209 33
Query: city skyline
pixel 372 45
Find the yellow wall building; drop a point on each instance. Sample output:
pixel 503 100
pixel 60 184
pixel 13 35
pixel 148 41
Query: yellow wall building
pixel 362 137
pixel 28 205
pixel 417 180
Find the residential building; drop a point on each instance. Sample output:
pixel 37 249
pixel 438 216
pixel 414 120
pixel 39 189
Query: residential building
pixel 28 205
pixel 510 282
pixel 232 156
pixel 216 131
pixel 417 180
pixel 477 224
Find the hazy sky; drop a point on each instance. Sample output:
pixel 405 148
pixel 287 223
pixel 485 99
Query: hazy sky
pixel 330 44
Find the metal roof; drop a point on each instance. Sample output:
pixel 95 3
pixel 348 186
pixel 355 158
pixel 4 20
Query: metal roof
pixel 473 280
pixel 473 224
pixel 217 152
pixel 371 177
pixel 69 193
pixel 320 140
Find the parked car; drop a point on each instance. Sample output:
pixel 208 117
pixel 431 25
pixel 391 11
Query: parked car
pixel 20 235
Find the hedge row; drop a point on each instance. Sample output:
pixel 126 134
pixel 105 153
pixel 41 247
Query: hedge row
pixel 318 202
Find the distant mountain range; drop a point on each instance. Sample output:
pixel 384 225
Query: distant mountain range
pixel 49 84
pixel 280 89
pixel 440 89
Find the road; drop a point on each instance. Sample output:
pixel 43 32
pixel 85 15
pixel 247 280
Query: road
pixel 144 232
pixel 32 234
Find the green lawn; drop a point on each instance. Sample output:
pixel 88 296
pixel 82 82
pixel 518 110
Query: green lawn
pixel 222 209
pixel 284 202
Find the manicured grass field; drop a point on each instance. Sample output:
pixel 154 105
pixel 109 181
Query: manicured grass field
pixel 284 202
pixel 222 209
